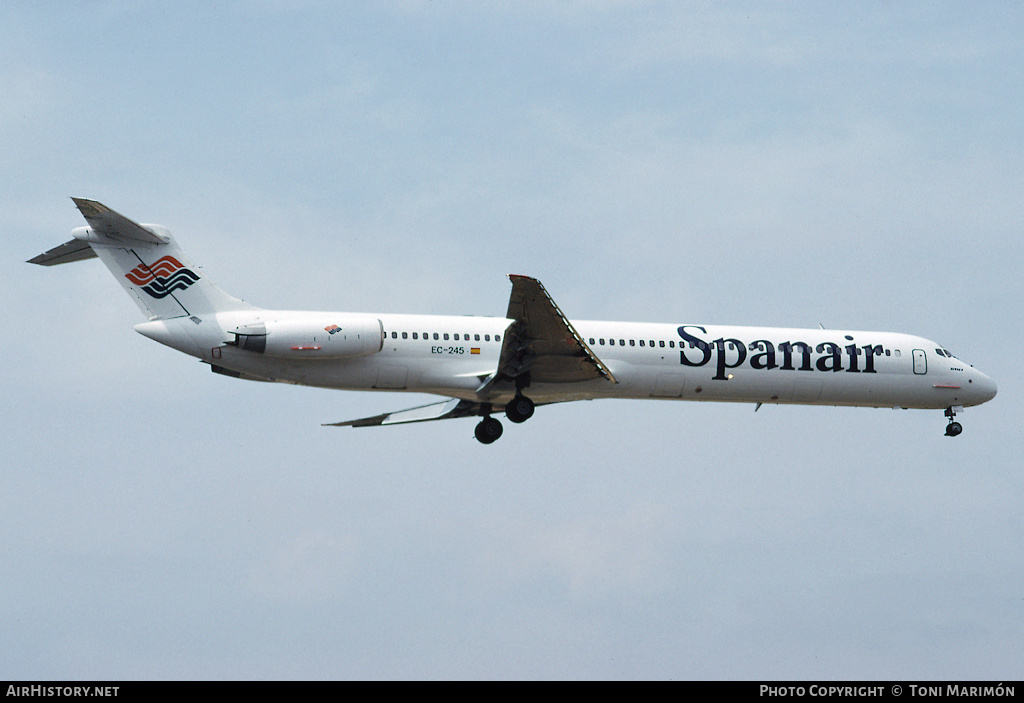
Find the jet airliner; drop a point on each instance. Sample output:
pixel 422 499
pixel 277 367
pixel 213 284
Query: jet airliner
pixel 533 356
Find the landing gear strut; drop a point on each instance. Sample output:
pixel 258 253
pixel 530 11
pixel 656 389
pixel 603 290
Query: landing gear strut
pixel 488 430
pixel 953 428
pixel 519 409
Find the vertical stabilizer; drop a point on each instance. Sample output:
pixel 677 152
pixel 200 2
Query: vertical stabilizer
pixel 147 261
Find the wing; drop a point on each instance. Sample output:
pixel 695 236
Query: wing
pixel 541 345
pixel 445 410
pixel 435 411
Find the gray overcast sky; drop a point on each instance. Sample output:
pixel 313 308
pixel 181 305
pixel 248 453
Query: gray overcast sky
pixel 858 165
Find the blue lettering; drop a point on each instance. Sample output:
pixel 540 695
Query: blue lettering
pixel 787 356
pixel 695 343
pixel 766 358
pixel 830 351
pixel 696 351
pixel 741 355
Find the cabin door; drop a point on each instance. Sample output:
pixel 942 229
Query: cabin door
pixel 920 362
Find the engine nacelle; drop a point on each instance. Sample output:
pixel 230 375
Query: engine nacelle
pixel 337 337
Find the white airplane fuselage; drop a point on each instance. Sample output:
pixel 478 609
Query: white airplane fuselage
pixel 451 355
pixel 533 356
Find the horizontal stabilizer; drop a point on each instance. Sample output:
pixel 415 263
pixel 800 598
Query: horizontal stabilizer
pixel 114 225
pixel 75 250
pixel 146 261
pixel 435 411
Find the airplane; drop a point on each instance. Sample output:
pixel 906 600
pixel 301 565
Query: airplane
pixel 533 356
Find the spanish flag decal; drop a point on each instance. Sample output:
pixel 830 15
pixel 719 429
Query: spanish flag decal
pixel 474 350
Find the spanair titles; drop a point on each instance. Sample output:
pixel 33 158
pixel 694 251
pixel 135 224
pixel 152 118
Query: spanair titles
pixel 788 355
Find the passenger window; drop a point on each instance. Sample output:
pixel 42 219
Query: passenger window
pixel 476 337
pixel 394 335
pixel 652 342
pixel 641 342
pixel 661 343
pixel 632 342
pixel 601 341
pixel 446 336
pixel 672 344
pixel 435 335
pixel 415 335
pixel 487 337
pixel 497 338
pixel 592 341
pixel 405 335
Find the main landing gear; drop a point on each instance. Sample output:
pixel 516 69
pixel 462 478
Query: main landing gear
pixel 488 430
pixel 953 428
pixel 519 409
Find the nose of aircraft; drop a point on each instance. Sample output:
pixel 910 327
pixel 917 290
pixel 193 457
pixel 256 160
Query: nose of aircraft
pixel 982 387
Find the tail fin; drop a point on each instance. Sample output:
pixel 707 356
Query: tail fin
pixel 146 260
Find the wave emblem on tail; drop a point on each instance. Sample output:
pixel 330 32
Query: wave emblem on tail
pixel 163 277
pixel 169 287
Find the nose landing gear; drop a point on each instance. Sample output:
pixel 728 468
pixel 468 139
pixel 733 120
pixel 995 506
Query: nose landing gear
pixel 953 428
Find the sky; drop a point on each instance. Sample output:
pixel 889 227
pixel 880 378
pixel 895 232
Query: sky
pixel 853 165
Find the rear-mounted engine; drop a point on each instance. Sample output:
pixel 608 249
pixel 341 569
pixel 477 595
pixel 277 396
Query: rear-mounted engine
pixel 323 338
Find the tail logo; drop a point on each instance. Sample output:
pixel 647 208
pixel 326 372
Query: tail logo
pixel 163 277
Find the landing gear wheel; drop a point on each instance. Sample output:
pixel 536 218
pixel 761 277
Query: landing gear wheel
pixel 488 430
pixel 953 428
pixel 519 409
